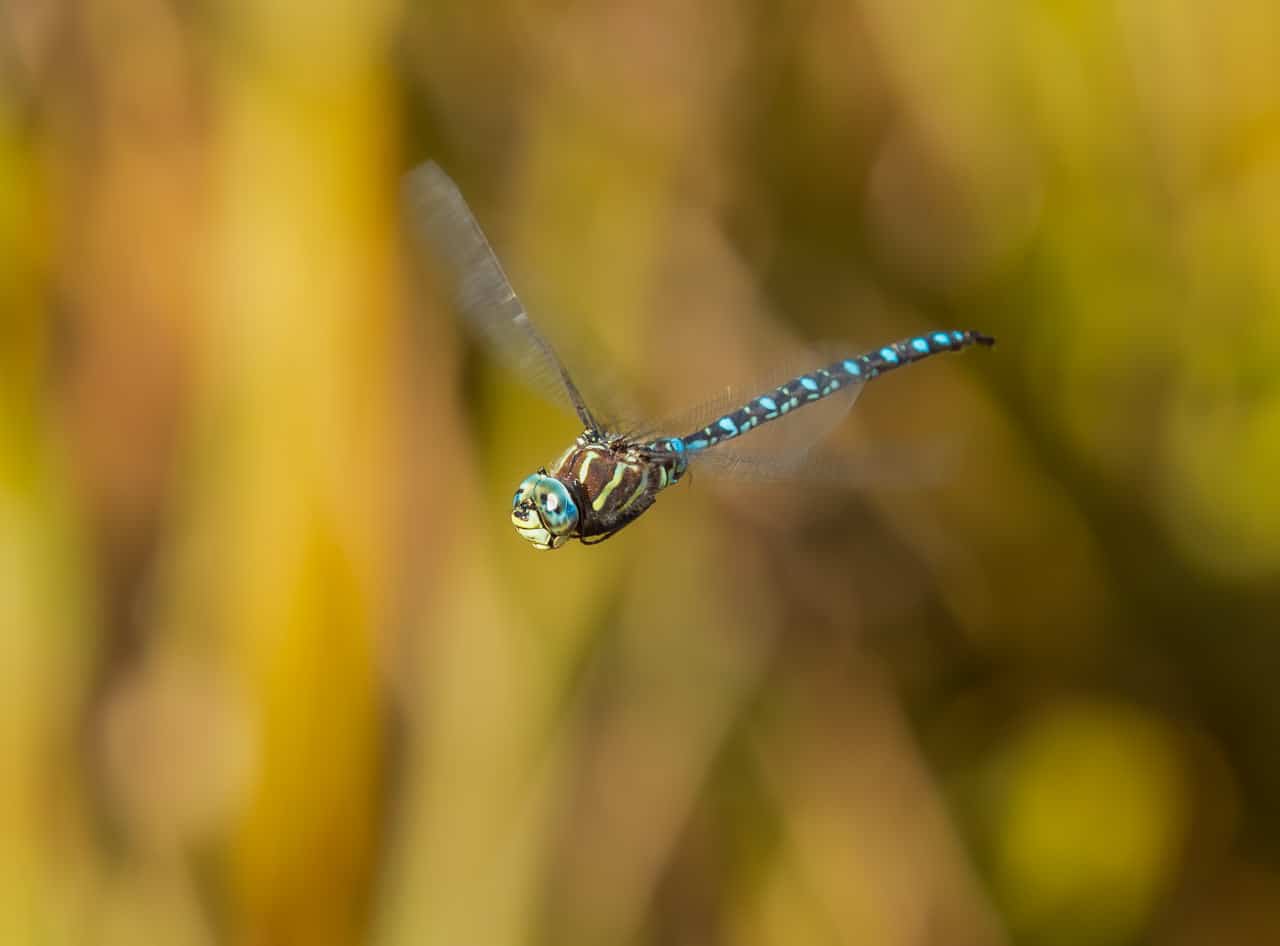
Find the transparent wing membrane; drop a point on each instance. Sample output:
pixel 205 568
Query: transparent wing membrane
pixel 442 221
pixel 908 466
pixel 774 450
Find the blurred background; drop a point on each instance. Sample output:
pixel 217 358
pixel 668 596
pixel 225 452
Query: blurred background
pixel 275 669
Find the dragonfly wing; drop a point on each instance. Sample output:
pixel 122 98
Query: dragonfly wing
pixel 480 289
pixel 775 449
pixel 783 448
pixel 905 466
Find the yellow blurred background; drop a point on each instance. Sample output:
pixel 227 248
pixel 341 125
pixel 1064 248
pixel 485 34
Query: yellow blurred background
pixel 274 668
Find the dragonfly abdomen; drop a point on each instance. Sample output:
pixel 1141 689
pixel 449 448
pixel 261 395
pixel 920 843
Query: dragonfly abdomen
pixel 823 382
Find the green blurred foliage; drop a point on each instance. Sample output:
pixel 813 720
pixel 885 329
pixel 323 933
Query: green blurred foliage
pixel 273 666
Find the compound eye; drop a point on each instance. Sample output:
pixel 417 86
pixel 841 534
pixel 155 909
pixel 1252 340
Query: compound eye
pixel 554 505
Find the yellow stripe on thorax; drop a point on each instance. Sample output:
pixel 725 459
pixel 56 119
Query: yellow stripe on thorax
pixel 644 481
pixel 619 471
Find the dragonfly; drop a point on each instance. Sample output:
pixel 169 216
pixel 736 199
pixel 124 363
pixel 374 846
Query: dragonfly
pixel 608 478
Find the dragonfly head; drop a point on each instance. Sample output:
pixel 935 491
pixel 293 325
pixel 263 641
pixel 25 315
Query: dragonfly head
pixel 543 512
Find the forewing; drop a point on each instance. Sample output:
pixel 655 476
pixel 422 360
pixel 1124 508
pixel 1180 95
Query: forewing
pixel 480 289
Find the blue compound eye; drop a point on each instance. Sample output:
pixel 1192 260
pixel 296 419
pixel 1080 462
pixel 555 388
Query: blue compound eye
pixel 543 512
pixel 558 511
